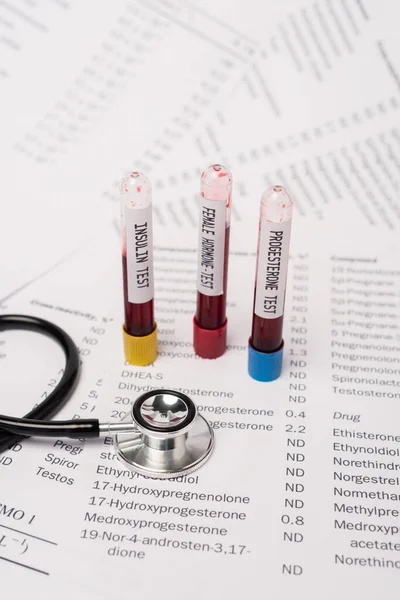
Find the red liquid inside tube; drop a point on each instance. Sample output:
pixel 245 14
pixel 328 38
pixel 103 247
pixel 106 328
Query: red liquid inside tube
pixel 139 318
pixel 266 334
pixel 211 310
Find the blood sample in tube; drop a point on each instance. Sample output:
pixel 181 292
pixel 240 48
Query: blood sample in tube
pixel 137 267
pixel 210 322
pixel 266 342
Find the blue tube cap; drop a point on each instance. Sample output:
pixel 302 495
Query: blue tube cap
pixel 265 366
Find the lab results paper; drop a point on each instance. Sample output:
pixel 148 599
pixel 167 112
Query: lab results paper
pixel 304 475
pixel 301 494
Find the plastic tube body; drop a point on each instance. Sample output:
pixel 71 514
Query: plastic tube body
pixel 210 322
pixel 211 310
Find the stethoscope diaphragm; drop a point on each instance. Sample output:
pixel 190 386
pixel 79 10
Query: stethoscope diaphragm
pixel 171 438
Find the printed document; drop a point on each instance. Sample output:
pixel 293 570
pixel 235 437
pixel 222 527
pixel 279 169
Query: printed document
pixel 301 497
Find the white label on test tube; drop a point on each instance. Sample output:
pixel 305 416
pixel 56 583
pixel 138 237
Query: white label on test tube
pixel 139 254
pixel 273 254
pixel 211 249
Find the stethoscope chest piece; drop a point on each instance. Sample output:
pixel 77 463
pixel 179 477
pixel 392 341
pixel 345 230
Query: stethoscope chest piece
pixel 170 437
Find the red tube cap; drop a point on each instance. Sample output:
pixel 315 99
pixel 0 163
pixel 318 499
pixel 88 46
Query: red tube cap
pixel 209 343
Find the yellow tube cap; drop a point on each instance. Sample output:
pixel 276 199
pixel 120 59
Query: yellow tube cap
pixel 140 350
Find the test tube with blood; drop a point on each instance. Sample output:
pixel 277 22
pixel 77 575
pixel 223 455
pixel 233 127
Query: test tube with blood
pixel 140 329
pixel 210 322
pixel 266 342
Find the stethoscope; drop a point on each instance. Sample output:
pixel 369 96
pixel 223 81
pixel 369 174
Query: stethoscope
pixel 163 436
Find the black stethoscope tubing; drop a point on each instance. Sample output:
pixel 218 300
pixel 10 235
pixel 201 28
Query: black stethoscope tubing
pixel 12 429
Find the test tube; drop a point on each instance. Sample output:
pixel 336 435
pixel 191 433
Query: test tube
pixel 266 343
pixel 140 328
pixel 210 322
